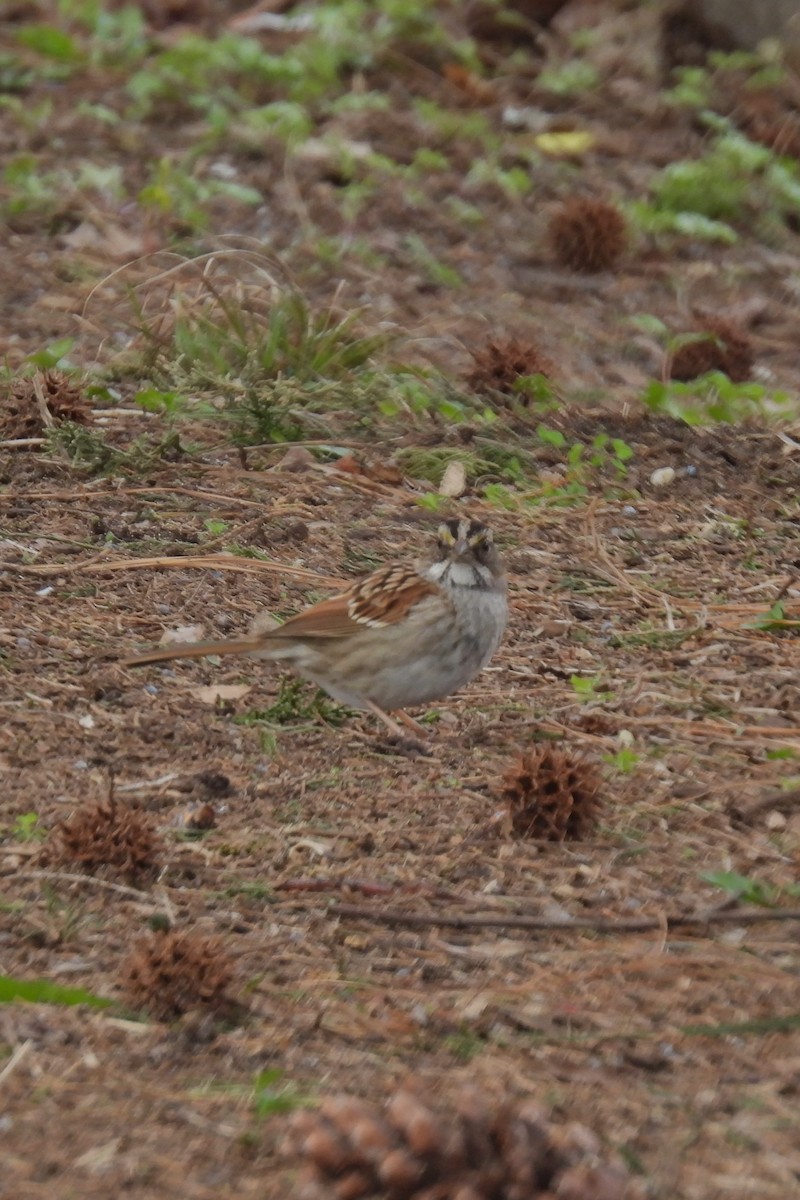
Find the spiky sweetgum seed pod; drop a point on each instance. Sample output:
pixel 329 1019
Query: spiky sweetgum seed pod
pixel 21 414
pixel 551 795
pixel 501 362
pixel 107 835
pixel 172 973
pixel 587 234
pixel 725 348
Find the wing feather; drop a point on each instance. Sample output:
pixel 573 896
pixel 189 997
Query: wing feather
pixel 382 598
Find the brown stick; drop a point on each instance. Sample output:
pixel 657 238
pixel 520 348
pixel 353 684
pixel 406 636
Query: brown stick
pixel 599 924
pixel 215 562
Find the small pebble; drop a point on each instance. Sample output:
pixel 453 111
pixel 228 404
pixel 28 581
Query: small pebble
pixel 630 511
pixel 45 591
pixel 151 689
pixel 690 471
pixel 663 477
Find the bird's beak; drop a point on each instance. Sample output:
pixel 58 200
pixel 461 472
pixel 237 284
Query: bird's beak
pixel 461 548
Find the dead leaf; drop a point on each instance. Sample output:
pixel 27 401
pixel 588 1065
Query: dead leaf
pixel 296 459
pixel 183 635
pixel 472 86
pixel 454 479
pixel 565 143
pixel 221 691
pixel 348 464
pixel 99 1158
pixel 197 816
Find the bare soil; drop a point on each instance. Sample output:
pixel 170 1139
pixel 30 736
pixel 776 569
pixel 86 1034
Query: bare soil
pixel 677 1043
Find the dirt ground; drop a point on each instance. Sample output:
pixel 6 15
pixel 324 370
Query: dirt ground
pixel 343 870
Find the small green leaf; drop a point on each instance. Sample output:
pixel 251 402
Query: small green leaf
pixel 42 991
pixel 552 437
pixel 271 1100
pixel 750 890
pixel 51 42
pixel 151 400
pixel 54 354
pixel 648 323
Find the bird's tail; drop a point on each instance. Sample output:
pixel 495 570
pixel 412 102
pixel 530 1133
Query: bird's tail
pixel 194 650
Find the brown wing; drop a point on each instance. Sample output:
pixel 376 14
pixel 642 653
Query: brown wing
pixel 382 598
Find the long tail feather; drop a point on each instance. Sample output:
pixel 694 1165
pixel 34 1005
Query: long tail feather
pixel 194 650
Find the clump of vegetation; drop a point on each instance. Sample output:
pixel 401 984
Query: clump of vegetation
pixel 551 795
pixel 107 835
pixel 244 331
pixel 510 367
pixel 297 701
pixel 38 402
pixel 171 973
pixel 737 178
pixel 407 1150
pixel 716 345
pixel 715 399
pixel 588 234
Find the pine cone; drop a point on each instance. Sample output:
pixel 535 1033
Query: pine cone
pixel 171 973
pixel 408 1151
pixel 588 235
pixel 21 414
pixel 721 347
pixel 107 835
pixel 551 795
pixel 501 362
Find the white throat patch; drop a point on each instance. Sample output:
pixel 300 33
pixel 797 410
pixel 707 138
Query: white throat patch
pixel 458 574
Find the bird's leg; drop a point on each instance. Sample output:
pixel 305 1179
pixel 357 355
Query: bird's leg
pixel 392 725
pixel 411 724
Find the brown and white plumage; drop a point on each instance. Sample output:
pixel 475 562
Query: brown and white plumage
pixel 399 637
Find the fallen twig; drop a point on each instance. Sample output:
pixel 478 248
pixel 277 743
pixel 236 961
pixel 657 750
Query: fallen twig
pixel 94 881
pixel 599 924
pixel 16 1058
pixel 215 562
pixel 368 887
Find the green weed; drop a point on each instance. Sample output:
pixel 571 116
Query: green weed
pixel 588 689
pixel 296 701
pixel 569 79
pixel 751 891
pixel 174 191
pixel 714 399
pixel 26 828
pixel 271 1097
pixel 737 178
pixel 251 333
pixel 775 618
pixel 42 991
pixel 87 450
pixel 623 761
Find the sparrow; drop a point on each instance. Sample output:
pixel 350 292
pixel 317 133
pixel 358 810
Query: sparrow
pixel 401 636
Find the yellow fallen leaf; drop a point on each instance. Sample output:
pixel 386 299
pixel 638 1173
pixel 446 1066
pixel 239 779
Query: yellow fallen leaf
pixel 565 143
